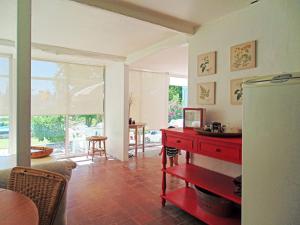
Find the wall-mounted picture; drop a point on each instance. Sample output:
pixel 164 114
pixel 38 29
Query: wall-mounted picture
pixel 236 90
pixel 206 93
pixel 243 56
pixel 206 64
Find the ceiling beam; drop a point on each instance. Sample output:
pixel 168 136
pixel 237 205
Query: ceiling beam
pixel 58 50
pixel 144 14
pixel 177 40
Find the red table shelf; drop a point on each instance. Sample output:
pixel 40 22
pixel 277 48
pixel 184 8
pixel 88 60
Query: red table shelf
pixel 226 149
pixel 217 183
pixel 186 199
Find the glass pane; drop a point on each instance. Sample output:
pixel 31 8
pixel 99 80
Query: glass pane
pixel 175 116
pixel 4 135
pixel 192 118
pixel 7 152
pixel 81 127
pixel 49 131
pixel 67 105
pixel 8 24
pixel 152 137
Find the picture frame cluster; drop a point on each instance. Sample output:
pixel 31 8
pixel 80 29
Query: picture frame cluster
pixel 242 56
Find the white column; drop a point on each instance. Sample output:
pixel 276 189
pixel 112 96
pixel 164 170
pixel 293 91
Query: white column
pixel 116 110
pixel 23 95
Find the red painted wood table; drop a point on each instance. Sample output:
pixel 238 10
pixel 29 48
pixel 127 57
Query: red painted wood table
pixel 226 149
pixel 17 209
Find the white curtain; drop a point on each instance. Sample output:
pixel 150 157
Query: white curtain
pixel 65 88
pixel 149 94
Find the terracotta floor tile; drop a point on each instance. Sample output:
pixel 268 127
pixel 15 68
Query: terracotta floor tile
pixel 111 192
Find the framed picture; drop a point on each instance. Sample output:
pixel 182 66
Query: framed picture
pixel 236 90
pixel 206 64
pixel 243 56
pixel 206 93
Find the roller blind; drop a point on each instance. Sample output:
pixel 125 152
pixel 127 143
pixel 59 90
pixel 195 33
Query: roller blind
pixel 65 88
pixel 149 92
pixel 4 85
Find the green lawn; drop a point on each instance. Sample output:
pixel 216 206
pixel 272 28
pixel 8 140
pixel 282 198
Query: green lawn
pixel 34 141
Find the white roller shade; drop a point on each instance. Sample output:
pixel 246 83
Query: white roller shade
pixel 149 92
pixel 65 88
pixel 4 86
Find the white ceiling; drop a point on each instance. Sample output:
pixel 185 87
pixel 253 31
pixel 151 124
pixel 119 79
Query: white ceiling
pixel 197 11
pixel 172 60
pixel 72 25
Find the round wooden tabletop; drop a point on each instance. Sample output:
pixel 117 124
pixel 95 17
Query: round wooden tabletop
pixel 16 209
pixel 96 138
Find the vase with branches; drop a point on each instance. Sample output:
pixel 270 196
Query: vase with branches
pixel 130 103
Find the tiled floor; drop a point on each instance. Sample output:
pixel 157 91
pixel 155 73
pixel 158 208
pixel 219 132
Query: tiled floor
pixel 123 193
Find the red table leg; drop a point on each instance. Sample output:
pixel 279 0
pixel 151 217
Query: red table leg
pixel 163 183
pixel 187 158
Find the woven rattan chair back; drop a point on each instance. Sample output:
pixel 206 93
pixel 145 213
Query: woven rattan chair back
pixel 44 188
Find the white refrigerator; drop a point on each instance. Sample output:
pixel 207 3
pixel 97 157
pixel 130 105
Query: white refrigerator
pixel 271 151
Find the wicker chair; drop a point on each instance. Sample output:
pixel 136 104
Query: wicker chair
pixel 44 188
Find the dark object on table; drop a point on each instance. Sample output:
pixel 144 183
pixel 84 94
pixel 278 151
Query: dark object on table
pixel 213 203
pixel 130 120
pixel 216 127
pixel 213 134
pixel 238 185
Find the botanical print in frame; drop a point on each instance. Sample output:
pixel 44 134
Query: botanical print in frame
pixel 206 64
pixel 243 56
pixel 206 93
pixel 236 90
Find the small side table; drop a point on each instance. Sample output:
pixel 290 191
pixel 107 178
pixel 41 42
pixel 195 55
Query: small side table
pixel 93 148
pixel 136 128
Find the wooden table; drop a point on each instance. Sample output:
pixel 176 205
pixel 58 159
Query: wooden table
pixel 93 140
pixel 136 128
pixel 17 209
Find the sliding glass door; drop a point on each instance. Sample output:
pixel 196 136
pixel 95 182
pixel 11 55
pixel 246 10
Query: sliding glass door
pixel 8 34
pixel 67 105
pixel 5 95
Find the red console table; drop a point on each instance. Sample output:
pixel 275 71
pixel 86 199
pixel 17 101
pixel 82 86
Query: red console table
pixel 227 149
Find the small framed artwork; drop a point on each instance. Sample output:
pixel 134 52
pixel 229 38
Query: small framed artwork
pixel 243 56
pixel 206 64
pixel 236 90
pixel 206 93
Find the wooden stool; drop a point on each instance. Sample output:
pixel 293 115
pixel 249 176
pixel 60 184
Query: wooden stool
pixel 93 142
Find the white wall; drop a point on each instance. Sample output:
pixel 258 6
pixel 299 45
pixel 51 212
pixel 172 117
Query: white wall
pixel 275 24
pixel 116 110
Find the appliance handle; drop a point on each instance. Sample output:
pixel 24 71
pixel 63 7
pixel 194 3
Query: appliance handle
pixel 276 79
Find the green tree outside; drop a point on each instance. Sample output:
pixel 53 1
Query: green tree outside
pixel 51 128
pixel 175 103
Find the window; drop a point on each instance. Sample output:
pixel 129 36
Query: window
pixel 4 105
pixel 80 127
pixel 67 105
pixel 177 100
